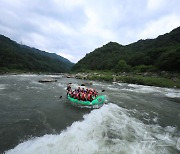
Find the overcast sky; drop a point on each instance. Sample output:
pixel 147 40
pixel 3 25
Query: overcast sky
pixel 72 28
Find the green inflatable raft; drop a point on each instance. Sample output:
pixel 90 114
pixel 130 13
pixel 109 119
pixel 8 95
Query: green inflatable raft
pixel 97 102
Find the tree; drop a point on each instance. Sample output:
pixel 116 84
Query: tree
pixel 122 66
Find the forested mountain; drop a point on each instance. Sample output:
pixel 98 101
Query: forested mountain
pixel 162 53
pixel 17 57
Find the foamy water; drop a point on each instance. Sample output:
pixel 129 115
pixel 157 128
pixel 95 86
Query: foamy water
pixel 2 86
pixel 110 129
pixel 169 92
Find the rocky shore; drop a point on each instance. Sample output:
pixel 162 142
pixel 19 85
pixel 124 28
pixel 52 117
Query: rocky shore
pixel 162 79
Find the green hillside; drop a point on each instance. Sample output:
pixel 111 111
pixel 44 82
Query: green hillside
pixel 160 54
pixel 15 57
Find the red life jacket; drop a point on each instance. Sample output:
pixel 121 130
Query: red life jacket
pixel 74 94
pixel 83 96
pixel 89 98
pixel 78 95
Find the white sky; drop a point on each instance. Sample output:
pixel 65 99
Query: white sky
pixel 72 28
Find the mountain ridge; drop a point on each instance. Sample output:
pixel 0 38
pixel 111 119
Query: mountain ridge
pixel 18 57
pixel 159 54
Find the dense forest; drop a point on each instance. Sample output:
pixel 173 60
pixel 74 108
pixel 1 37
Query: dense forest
pixel 15 57
pixel 160 54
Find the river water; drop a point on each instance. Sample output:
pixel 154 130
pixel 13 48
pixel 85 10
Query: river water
pixel 136 119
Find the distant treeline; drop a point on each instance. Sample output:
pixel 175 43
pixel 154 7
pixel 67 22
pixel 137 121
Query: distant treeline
pixel 15 57
pixel 160 54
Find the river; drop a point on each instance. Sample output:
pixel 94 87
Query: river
pixel 37 118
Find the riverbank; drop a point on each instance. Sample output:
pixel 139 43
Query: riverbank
pixel 162 79
pixel 150 79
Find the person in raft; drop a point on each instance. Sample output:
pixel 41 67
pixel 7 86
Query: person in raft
pixel 83 94
pixel 68 88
